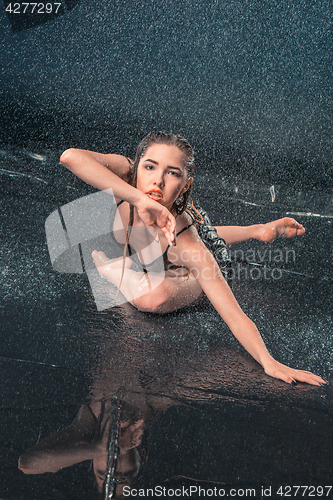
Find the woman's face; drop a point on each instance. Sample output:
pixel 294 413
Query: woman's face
pixel 124 467
pixel 162 175
pixel 130 436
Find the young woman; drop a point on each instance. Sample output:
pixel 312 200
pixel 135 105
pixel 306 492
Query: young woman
pixel 153 191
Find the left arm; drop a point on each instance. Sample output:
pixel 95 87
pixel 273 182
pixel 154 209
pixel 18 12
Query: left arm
pixel 191 252
pixel 239 234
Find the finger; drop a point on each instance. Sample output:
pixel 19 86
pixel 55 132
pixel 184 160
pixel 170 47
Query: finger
pixel 173 236
pixel 167 223
pixel 282 375
pixel 169 236
pixel 170 222
pixel 294 376
pixel 308 378
pixel 173 230
pixel 312 376
pixel 137 425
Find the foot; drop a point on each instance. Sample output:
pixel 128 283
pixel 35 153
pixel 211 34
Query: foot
pixel 281 228
pixel 106 266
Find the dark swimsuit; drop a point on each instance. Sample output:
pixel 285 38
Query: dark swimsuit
pixel 215 244
pixel 167 264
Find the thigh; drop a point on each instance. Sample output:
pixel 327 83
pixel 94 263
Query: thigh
pixel 172 294
pixel 183 293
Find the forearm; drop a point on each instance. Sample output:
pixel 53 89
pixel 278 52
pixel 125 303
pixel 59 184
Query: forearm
pixel 239 234
pixel 248 335
pixel 212 282
pixel 84 165
pixel 244 330
pixel 209 276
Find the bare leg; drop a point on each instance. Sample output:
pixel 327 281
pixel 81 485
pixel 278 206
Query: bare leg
pixel 148 293
pixel 118 272
pixel 281 228
pixel 170 295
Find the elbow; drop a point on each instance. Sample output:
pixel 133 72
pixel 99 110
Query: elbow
pixel 25 466
pixel 36 463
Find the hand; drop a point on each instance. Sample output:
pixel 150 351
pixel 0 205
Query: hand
pixel 130 434
pixel 277 370
pixel 151 212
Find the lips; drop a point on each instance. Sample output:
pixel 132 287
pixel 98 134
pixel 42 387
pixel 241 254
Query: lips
pixel 155 194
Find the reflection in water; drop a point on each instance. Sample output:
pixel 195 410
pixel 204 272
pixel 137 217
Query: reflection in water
pixel 111 431
pixel 107 433
pixel 140 374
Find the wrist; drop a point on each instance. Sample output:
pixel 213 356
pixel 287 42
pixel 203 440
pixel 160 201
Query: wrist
pixel 139 199
pixel 256 231
pixel 266 360
pixel 132 195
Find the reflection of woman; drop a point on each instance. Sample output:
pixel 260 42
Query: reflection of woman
pixel 86 438
pixel 131 456
pixel 154 191
pixel 73 444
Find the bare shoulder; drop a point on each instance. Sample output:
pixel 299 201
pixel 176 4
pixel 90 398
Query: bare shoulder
pixel 183 221
pixel 186 230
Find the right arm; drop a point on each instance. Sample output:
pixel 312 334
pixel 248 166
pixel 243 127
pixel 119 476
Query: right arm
pixel 112 172
pixel 52 460
pixel 102 172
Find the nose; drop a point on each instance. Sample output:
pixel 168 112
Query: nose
pixel 159 179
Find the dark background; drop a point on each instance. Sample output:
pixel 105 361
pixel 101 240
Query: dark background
pixel 248 83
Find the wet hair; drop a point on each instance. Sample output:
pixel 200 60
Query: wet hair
pixel 137 458
pixel 169 139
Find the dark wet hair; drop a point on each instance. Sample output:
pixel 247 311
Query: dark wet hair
pixel 169 139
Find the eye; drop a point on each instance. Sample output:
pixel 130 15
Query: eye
pixel 174 173
pixel 149 167
pixel 101 474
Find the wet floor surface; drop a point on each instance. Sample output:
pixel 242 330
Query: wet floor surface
pixel 197 410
